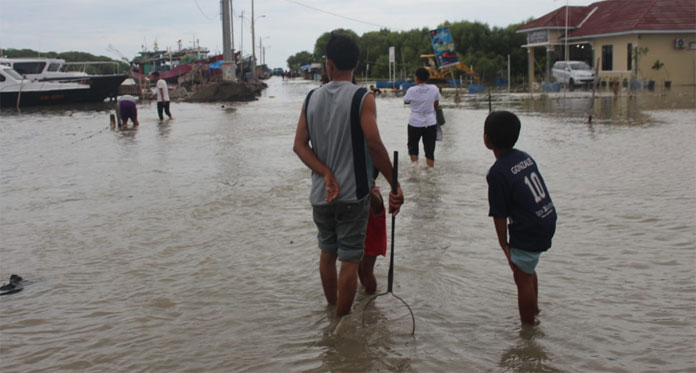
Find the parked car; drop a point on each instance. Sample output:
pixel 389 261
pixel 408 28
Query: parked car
pixel 573 72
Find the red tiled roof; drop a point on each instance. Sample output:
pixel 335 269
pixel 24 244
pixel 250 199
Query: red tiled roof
pixel 557 19
pixel 620 16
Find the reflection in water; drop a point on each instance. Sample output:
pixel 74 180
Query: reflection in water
pixel 527 354
pixel 189 245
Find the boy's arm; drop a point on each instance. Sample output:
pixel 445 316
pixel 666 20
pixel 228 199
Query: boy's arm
pixel 501 231
pixel 304 151
pixel 376 201
pixel 380 158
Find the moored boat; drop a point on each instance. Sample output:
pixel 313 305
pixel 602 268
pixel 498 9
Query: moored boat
pixel 18 91
pixel 53 70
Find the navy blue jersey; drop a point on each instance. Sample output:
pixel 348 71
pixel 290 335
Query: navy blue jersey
pixel 517 191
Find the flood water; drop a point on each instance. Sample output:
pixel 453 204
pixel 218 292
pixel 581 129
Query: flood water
pixel 189 246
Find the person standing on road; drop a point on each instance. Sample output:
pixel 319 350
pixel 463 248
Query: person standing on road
pixel 340 120
pixel 162 96
pixel 422 123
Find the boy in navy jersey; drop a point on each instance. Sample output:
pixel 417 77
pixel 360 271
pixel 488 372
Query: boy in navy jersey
pixel 516 191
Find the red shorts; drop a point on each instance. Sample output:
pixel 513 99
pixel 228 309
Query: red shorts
pixel 376 235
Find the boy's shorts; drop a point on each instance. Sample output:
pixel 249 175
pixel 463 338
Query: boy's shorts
pixel 342 228
pixel 525 260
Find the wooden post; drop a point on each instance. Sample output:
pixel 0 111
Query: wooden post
pixel 594 88
pixel 19 94
pixel 456 89
pixel 118 116
pixel 112 121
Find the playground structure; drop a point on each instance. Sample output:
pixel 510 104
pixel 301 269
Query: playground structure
pixel 444 75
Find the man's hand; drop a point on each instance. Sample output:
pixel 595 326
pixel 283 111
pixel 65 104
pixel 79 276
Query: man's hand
pixel 395 201
pixel 331 187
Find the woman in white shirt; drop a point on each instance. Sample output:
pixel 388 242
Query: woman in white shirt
pixel 422 123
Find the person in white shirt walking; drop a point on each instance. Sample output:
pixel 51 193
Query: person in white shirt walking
pixel 162 96
pixel 422 123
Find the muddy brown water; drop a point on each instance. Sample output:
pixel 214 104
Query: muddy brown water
pixel 188 245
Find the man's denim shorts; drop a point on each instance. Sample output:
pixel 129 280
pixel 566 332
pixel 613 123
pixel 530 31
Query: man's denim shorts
pixel 342 227
pixel 525 260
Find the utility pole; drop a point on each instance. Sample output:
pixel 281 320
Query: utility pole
pixel 241 45
pixel 253 46
pixel 228 64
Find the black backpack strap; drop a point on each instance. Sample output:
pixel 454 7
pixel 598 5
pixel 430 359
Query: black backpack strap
pixel 359 150
pixel 306 104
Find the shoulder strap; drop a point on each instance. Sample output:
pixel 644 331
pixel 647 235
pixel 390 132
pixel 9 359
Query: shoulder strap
pixel 359 149
pixel 306 104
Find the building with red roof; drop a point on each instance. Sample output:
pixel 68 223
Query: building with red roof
pixel 648 40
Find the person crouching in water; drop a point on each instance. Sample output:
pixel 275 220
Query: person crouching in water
pixel 128 110
pixel 375 238
pixel 516 191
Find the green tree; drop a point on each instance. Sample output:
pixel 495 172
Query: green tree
pixel 299 59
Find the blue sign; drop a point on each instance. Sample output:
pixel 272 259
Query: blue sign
pixel 443 47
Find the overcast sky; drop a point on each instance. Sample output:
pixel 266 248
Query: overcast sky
pixel 285 26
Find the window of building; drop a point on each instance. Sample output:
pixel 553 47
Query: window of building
pixel 629 59
pixel 607 58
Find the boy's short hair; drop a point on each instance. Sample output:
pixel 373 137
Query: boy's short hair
pixel 342 50
pixel 502 128
pixel 156 73
pixel 422 74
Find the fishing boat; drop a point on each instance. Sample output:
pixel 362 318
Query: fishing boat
pixel 57 70
pixel 170 64
pixel 18 91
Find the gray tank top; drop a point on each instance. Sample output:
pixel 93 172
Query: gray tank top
pixel 333 121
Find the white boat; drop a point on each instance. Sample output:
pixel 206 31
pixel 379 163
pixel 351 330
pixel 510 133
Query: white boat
pixel 95 88
pixel 18 91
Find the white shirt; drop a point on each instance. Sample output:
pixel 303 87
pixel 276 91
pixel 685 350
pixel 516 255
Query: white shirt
pixel 422 98
pixel 162 84
pixel 127 98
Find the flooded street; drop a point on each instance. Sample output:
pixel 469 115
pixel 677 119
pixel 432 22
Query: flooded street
pixel 189 245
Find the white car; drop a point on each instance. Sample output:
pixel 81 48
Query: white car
pixel 572 72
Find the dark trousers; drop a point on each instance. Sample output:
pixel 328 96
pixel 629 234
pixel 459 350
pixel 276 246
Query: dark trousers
pixel 163 106
pixel 429 134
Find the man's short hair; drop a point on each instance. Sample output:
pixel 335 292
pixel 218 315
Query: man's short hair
pixel 422 74
pixel 342 50
pixel 502 128
pixel 156 73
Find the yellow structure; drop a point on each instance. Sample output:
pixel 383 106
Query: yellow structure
pixel 643 40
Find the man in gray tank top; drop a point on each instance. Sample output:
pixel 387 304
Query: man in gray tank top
pixel 339 119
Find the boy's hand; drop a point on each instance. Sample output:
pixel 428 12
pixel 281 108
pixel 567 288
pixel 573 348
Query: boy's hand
pixel 331 187
pixel 395 201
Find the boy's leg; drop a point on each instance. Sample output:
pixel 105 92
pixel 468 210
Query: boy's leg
pixel 347 285
pixel 367 276
pixel 166 109
pixel 160 109
pixel 526 295
pixel 429 139
pixel 536 294
pixel 327 271
pixel 413 142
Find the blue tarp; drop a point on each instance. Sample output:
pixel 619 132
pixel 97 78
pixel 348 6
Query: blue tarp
pixel 306 67
pixel 215 65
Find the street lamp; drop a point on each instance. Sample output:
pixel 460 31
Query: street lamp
pixel 262 51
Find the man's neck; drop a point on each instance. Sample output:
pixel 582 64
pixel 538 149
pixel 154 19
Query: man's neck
pixel 342 75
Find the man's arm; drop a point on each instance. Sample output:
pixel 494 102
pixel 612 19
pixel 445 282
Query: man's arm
pixel 304 151
pixel 380 157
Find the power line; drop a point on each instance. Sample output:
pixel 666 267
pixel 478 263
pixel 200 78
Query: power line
pixel 334 14
pixel 201 10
